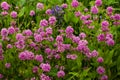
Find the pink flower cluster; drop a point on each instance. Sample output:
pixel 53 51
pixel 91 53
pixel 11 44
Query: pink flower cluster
pixel 45 67
pixel 26 55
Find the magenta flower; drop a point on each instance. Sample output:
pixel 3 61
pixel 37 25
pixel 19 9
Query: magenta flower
pixel 101 37
pixel 69 30
pixel 109 9
pixel 48 12
pixel 110 42
pixel 7 65
pixel 5 6
pixel 117 17
pixel 26 55
pixel 75 3
pixel 60 74
pixel 48 51
pixel 49 31
pixel 94 10
pixel 59 39
pixel 98 2
pixel 40 6
pixel 39 58
pixel 4 32
pixel 78 14
pixel 19 36
pixel 32 13
pixel 104 77
pixel 52 20
pixel 105 26
pixel 11 30
pixel 82 35
pixel 13 14
pixel 45 67
pixel 86 9
pixel 100 70
pixel 94 53
pixel 38 38
pixel 9 46
pixel 35 69
pixel 44 77
pixel 43 23
pixel 4 13
pixel 1 76
pixel 27 32
pixel 100 59
pixel 64 5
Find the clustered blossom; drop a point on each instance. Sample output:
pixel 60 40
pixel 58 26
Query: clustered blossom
pixel 64 5
pixel 48 12
pixel 52 20
pixel 43 23
pixel 104 77
pixel 94 9
pixel 69 31
pixel 45 67
pixel 32 13
pixel 39 58
pixel 78 14
pixel 75 3
pixel 7 65
pixel 105 26
pixel 11 30
pixel 26 55
pixel 38 38
pixel 60 74
pixel 100 59
pixel 40 6
pixel 71 56
pixel 4 13
pixel 5 6
pixel 100 70
pixel 98 2
pixel 35 69
pixel 4 32
pixel 44 77
pixel 27 32
pixel 13 14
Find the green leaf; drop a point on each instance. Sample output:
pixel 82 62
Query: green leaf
pixel 118 63
pixel 22 11
pixel 108 57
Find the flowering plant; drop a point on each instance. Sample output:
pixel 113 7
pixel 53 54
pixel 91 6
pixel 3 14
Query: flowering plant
pixel 63 42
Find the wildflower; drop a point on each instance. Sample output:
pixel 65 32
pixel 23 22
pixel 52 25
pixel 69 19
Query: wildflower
pixel 100 70
pixel 5 6
pixel 75 3
pixel 39 58
pixel 100 59
pixel 13 14
pixel 64 5
pixel 94 10
pixel 40 6
pixel 4 32
pixel 11 30
pixel 7 65
pixel 45 67
pixel 60 74
pixel 32 13
pixel 43 23
pixel 52 20
pixel 104 77
pixel 48 12
pixel 98 2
